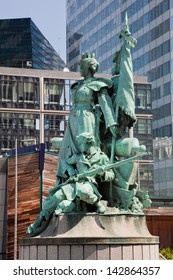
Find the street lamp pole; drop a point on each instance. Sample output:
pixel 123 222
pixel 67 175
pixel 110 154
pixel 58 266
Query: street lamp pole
pixel 16 202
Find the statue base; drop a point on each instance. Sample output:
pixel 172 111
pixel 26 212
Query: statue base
pixel 92 237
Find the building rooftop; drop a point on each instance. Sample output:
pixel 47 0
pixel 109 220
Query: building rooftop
pixel 23 45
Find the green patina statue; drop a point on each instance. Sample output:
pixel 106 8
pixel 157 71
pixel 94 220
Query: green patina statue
pixel 91 174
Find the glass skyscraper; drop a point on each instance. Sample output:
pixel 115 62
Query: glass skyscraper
pixel 95 25
pixel 22 45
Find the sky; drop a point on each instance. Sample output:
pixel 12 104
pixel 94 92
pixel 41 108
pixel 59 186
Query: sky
pixel 48 15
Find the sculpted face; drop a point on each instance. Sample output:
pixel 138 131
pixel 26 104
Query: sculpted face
pixel 86 142
pixel 85 147
pixel 88 67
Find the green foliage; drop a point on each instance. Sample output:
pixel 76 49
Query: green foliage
pixel 167 253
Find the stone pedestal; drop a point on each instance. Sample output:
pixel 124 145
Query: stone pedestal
pixel 92 237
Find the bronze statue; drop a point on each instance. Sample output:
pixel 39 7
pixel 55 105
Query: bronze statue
pixel 91 176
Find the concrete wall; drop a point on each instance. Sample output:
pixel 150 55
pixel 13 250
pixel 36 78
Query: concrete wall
pixel 3 207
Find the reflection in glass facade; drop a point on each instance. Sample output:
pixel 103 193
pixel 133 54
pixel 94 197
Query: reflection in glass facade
pixel 56 94
pixel 22 45
pixel 54 126
pixel 21 126
pixel 143 128
pixel 29 114
pixel 151 23
pixel 143 131
pixel 19 92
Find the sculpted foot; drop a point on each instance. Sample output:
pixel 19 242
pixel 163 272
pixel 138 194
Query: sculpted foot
pixel 29 230
pixel 32 228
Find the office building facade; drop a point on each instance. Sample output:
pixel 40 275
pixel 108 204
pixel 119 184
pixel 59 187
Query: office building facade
pixel 95 25
pixel 23 45
pixel 34 105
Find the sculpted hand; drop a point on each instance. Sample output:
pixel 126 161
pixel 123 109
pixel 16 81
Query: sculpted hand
pixel 109 176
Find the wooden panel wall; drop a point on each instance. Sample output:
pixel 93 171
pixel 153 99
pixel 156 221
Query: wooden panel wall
pixel 28 196
pixel 160 223
pixel 49 173
pixel 28 192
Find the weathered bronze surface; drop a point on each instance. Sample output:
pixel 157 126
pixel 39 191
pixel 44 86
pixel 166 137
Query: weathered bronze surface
pixel 91 176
